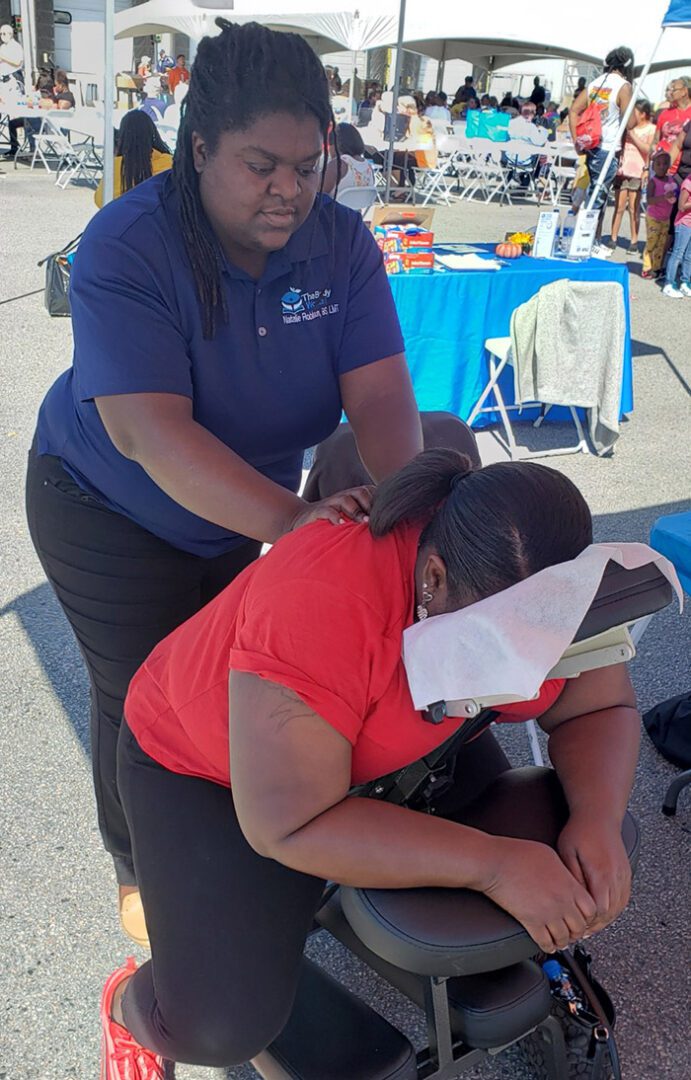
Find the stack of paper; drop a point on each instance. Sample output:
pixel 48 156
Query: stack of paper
pixel 467 262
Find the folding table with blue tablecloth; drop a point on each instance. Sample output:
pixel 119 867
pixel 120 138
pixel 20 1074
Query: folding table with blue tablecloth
pixel 447 315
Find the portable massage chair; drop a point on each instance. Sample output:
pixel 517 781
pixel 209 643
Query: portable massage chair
pixel 467 963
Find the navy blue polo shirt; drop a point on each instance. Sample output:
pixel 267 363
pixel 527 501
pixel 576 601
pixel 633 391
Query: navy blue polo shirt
pixel 266 385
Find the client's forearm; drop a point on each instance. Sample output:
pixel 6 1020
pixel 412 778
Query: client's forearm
pixel 374 844
pixel 595 758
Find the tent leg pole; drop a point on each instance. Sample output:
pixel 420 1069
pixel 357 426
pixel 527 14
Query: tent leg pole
pixel 108 92
pixel 394 102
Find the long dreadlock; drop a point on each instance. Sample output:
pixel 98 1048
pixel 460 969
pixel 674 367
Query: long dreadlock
pixel 137 137
pixel 238 76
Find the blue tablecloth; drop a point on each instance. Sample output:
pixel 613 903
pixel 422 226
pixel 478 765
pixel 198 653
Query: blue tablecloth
pixel 447 316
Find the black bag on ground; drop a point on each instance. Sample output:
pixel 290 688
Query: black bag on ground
pixel 669 727
pixel 56 296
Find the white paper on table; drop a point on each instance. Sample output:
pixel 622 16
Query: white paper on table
pixel 508 643
pixel 467 262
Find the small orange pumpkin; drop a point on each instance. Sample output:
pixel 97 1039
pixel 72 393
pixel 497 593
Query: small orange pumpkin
pixel 508 251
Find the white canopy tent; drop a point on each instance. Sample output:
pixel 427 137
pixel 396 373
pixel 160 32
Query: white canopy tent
pixel 327 26
pixel 330 25
pixel 461 33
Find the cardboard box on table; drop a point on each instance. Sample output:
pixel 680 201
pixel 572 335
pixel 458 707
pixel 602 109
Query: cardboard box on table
pixel 405 238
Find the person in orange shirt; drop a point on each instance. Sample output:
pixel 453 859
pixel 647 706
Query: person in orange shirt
pixel 178 74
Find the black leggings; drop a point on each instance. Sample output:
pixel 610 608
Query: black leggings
pixel 227 927
pixel 122 590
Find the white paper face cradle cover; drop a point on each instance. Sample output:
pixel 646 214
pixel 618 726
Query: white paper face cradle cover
pixel 506 645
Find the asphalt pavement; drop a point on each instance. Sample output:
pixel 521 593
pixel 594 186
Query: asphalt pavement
pixel 59 935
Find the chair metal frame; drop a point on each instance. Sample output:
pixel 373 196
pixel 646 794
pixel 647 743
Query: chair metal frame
pixel 500 355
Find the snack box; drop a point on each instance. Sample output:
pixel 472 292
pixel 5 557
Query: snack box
pixel 401 262
pixel 392 238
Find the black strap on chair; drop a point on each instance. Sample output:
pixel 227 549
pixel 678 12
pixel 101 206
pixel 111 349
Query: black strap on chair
pixel 415 784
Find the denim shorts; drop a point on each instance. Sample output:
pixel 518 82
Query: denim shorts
pixel 595 160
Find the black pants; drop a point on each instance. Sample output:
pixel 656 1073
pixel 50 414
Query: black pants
pixel 227 927
pixel 122 590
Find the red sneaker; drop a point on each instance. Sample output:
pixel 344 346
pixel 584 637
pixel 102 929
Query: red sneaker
pixel 122 1058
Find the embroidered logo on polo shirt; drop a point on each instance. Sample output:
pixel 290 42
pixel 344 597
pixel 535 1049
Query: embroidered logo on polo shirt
pixel 298 306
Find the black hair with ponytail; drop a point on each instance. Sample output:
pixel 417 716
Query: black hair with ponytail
pixel 492 526
pixel 242 74
pixel 137 137
pixel 621 60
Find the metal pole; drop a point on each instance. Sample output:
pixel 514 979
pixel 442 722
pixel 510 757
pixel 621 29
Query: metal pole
pixel 441 67
pixel 352 103
pixel 26 11
pixel 623 124
pixel 394 104
pixel 108 94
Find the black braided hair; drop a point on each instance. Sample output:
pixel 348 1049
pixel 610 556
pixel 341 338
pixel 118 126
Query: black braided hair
pixel 137 137
pixel 242 74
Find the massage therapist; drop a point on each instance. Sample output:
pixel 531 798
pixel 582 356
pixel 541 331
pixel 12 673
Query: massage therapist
pixel 224 315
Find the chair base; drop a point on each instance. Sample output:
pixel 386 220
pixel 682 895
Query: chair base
pixel 332 1035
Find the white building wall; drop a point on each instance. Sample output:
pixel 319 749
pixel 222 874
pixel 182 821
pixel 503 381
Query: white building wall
pixel 80 46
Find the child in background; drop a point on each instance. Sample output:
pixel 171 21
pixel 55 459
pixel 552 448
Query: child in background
pixel 681 252
pixel 662 194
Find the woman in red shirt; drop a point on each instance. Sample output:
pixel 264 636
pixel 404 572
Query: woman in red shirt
pixel 291 683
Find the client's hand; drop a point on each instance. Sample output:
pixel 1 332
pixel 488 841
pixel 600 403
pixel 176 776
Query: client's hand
pixel 532 883
pixel 593 850
pixel 353 504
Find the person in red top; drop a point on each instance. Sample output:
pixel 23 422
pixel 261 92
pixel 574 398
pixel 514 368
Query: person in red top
pixel 178 74
pixel 671 120
pixel 246 728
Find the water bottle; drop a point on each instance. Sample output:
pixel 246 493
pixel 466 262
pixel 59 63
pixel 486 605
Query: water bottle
pixel 567 232
pixel 561 987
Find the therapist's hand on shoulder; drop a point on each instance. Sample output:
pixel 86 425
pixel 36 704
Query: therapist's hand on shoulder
pixel 351 505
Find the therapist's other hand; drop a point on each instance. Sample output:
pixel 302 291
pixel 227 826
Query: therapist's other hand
pixel 594 852
pixel 351 505
pixel 531 882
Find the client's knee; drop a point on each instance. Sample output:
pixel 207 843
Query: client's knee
pixel 223 1041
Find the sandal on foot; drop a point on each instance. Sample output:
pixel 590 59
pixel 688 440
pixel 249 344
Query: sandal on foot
pixel 132 919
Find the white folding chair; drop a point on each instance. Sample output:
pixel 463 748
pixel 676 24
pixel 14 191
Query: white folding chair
pixel 485 173
pixel 559 177
pixel 500 355
pixel 169 134
pixel 358 198
pixel 434 182
pixel 49 141
pixel 516 151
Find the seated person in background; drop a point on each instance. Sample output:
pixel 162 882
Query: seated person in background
pixel 140 154
pixel 144 67
pixel 247 726
pixel 543 121
pixel 438 108
pixel 524 129
pixel 356 171
pixel 32 124
pixel 63 98
pixel 153 103
pixel 509 105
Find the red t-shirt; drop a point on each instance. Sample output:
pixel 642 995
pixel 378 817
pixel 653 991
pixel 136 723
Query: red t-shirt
pixel 177 75
pixel 669 124
pixel 323 614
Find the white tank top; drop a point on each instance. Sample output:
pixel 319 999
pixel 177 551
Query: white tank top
pixel 604 92
pixel 359 174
